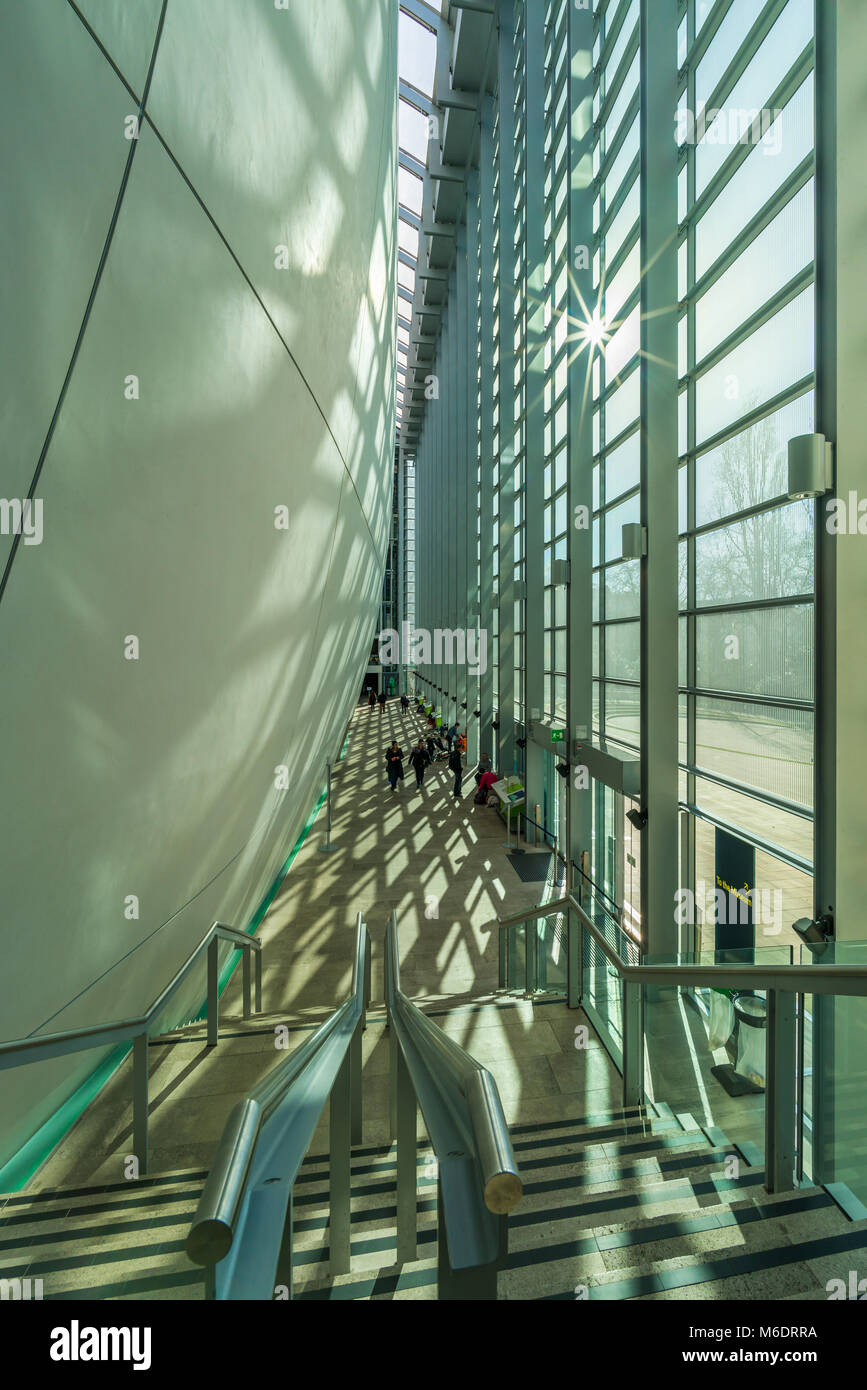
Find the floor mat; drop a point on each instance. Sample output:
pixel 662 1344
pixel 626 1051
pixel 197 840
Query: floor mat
pixel 531 868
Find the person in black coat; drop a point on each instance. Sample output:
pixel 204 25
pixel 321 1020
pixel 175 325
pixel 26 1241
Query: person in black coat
pixel 394 765
pixel 456 764
pixel 419 759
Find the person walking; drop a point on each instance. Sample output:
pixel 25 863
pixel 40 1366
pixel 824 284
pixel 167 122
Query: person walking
pixel 456 765
pixel 371 699
pixel 394 764
pixel 381 701
pixel 404 703
pixel 418 761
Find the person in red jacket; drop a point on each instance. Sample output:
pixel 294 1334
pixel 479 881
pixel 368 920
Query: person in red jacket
pixel 486 781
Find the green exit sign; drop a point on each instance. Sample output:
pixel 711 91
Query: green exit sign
pixel 558 735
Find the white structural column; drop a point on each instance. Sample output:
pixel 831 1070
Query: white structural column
pixel 581 305
pixel 506 757
pixel 458 685
pixel 534 443
pixel 843 418
pixel 659 494
pixel 471 601
pixel 486 435
pixel 841 560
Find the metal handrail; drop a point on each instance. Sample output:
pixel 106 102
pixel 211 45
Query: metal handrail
pixel 477 1175
pixel 242 1229
pixel 782 983
pixel 801 979
pixel 22 1051
pixel 97 1035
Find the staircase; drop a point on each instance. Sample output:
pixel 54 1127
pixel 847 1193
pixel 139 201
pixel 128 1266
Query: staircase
pixel 617 1205
pixel 114 1241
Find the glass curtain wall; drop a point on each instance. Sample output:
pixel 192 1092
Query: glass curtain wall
pixel 514 472
pixel 746 191
pixel 742 117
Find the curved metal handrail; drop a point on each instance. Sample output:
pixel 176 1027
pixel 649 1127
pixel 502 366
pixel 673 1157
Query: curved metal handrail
pixel 44 1045
pixel 478 1175
pixel 256 1163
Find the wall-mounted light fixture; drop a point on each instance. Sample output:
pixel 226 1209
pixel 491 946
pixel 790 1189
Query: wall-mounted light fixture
pixel 815 932
pixel 811 466
pixel 634 540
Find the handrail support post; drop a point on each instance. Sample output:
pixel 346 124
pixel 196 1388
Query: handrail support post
pixel 574 961
pixel 213 993
pixel 356 1066
pixel 404 1122
pixel 531 969
pixel 780 1091
pixel 246 972
pixel 340 1166
pixel 465 1285
pixel 633 1043
pixel 140 1102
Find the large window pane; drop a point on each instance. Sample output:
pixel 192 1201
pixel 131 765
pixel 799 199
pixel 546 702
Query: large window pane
pixel 767 651
pixel 622 651
pixel 757 180
pixel 750 468
pixel 774 357
pixel 771 260
pixel 763 557
pixel 759 746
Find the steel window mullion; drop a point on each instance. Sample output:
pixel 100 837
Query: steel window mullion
pixel 795 861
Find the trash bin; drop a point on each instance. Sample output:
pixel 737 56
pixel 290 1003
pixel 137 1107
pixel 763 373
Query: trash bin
pixel 751 1017
pixel 721 1020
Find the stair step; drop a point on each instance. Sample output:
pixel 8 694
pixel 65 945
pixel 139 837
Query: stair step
pixel 785 1263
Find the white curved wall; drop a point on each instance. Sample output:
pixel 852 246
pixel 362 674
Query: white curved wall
pixel 259 387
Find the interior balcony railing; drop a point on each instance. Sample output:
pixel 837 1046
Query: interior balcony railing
pixel 639 1007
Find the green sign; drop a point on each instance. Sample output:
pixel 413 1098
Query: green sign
pixel 558 735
